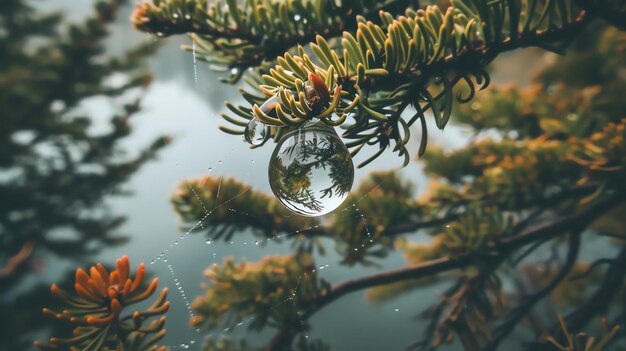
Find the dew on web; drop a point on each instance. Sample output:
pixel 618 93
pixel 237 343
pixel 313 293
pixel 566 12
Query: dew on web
pixel 193 55
pixel 348 211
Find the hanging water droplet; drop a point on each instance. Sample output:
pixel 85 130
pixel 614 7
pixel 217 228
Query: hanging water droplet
pixel 256 132
pixel 396 309
pixel 175 15
pixel 311 170
pixel 296 17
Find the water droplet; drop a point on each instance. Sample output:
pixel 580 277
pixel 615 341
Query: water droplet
pixel 160 34
pixel 256 243
pixel 208 242
pixel 220 162
pixel 396 309
pixel 311 170
pixel 187 16
pixel 296 17
pixel 256 132
pixel 175 15
pixel 210 169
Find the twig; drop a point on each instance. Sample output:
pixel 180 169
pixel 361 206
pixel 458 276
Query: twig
pixel 16 262
pixel 503 330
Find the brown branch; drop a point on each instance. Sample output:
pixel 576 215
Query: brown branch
pixel 503 247
pixel 412 226
pixel 16 262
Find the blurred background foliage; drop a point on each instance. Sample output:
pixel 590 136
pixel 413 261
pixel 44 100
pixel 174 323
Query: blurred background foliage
pixel 56 162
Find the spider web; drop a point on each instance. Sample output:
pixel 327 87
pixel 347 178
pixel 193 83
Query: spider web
pixel 216 250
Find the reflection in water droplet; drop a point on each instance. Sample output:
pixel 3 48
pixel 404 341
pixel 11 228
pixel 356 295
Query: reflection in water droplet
pixel 311 170
pixel 256 132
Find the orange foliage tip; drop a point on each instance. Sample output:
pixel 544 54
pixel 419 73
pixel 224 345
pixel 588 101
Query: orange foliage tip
pixel 196 320
pixel 99 300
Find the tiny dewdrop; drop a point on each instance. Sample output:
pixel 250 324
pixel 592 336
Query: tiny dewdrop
pixel 257 132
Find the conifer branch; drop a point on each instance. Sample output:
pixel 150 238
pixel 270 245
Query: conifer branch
pixel 235 36
pixel 504 247
pixel 417 59
pixel 424 61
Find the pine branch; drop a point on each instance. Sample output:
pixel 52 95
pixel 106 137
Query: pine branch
pixel 504 247
pixel 417 60
pixel 231 35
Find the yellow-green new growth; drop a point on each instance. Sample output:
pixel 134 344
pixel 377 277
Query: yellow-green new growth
pixel 417 59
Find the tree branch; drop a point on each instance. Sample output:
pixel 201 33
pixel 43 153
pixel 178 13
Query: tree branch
pixel 503 247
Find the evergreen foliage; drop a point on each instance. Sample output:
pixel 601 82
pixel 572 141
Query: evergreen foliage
pixel 391 58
